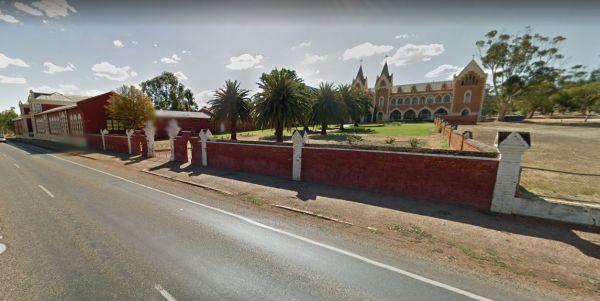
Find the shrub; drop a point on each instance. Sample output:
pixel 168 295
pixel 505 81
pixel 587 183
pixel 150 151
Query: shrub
pixel 390 140
pixel 416 143
pixel 354 139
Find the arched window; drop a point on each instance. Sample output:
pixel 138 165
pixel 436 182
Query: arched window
pixel 415 100
pixel 422 100
pixel 465 112
pixel 425 115
pixel 410 115
pixel 379 116
pixel 395 115
pixel 399 101
pixel 440 112
pixel 429 99
pixel 467 98
pixel 381 101
pixel 438 99
pixel 446 98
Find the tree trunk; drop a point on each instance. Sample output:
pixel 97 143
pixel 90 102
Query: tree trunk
pixel 306 129
pixel 233 129
pixel 531 114
pixel 501 111
pixel 342 126
pixel 324 129
pixel 587 115
pixel 279 133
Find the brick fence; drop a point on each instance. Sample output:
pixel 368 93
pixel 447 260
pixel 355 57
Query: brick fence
pixel 462 141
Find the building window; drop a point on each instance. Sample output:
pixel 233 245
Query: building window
pixel 447 98
pixel 37 107
pixel 440 112
pixel 76 124
pixel 114 125
pixel 425 115
pixel 393 101
pixel 429 99
pixel 467 98
pixel 438 99
pixel 399 101
pixel 410 115
pixel 415 100
pixel 422 100
pixel 395 115
pixel 469 80
pixel 381 101
pixel 465 112
pixel 379 116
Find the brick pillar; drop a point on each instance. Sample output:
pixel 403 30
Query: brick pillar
pixel 511 146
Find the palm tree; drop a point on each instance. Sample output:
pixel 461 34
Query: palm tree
pixel 327 107
pixel 231 103
pixel 282 102
pixel 356 102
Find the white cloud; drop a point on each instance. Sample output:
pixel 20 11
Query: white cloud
pixel 405 36
pixel 310 59
pixel 52 68
pixel 12 80
pixel 365 50
pixel 245 61
pixel 443 70
pixel 155 45
pixel 410 54
pixel 301 45
pixel 54 8
pixel 63 89
pixel 203 97
pixel 186 52
pixel 118 43
pixel 112 72
pixel 306 73
pixel 174 59
pixel 28 9
pixel 180 75
pixel 5 61
pixel 8 18
pixel 134 42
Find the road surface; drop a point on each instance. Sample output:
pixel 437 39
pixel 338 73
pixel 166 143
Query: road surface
pixel 76 232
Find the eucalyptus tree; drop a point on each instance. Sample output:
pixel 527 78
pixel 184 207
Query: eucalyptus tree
pixel 167 93
pixel 282 101
pixel 231 103
pixel 516 60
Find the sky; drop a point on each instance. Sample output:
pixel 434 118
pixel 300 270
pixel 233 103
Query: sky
pixel 91 47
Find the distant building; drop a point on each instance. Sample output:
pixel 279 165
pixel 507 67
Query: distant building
pixel 459 99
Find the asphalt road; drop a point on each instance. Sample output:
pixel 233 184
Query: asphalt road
pixel 75 232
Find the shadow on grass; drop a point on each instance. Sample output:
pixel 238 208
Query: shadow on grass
pixel 306 191
pixel 358 130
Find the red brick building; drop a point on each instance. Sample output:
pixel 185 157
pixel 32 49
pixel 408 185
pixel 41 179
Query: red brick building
pixel 459 99
pixel 72 119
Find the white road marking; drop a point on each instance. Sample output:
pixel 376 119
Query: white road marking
pixel 16 165
pixel 46 191
pixel 302 238
pixel 164 293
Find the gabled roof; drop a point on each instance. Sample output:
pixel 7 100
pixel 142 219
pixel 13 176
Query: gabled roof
pixel 471 66
pixel 56 96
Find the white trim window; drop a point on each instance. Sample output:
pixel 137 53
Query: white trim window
pixel 467 98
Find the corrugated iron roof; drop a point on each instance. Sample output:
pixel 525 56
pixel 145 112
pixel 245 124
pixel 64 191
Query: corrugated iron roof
pixel 181 114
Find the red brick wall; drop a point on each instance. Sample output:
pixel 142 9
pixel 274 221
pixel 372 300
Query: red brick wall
pixel 469 119
pixel 117 143
pixel 193 125
pixel 46 107
pixel 439 178
pixel 262 159
pixel 93 113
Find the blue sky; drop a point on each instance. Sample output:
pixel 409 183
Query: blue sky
pixel 81 47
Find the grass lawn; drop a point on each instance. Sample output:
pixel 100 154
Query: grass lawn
pixel 393 129
pixel 365 134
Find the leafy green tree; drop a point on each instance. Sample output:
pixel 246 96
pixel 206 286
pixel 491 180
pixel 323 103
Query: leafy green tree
pixel 328 108
pixel 131 107
pixel 357 103
pixel 517 60
pixel 282 103
pixel 583 96
pixel 231 103
pixel 6 118
pixel 168 93
pixel 536 97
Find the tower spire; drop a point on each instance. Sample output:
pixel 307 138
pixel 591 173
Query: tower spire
pixel 385 71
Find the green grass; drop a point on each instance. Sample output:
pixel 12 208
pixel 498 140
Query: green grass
pixel 393 129
pixel 256 133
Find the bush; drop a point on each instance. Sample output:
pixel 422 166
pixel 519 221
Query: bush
pixel 390 140
pixel 416 143
pixel 354 139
